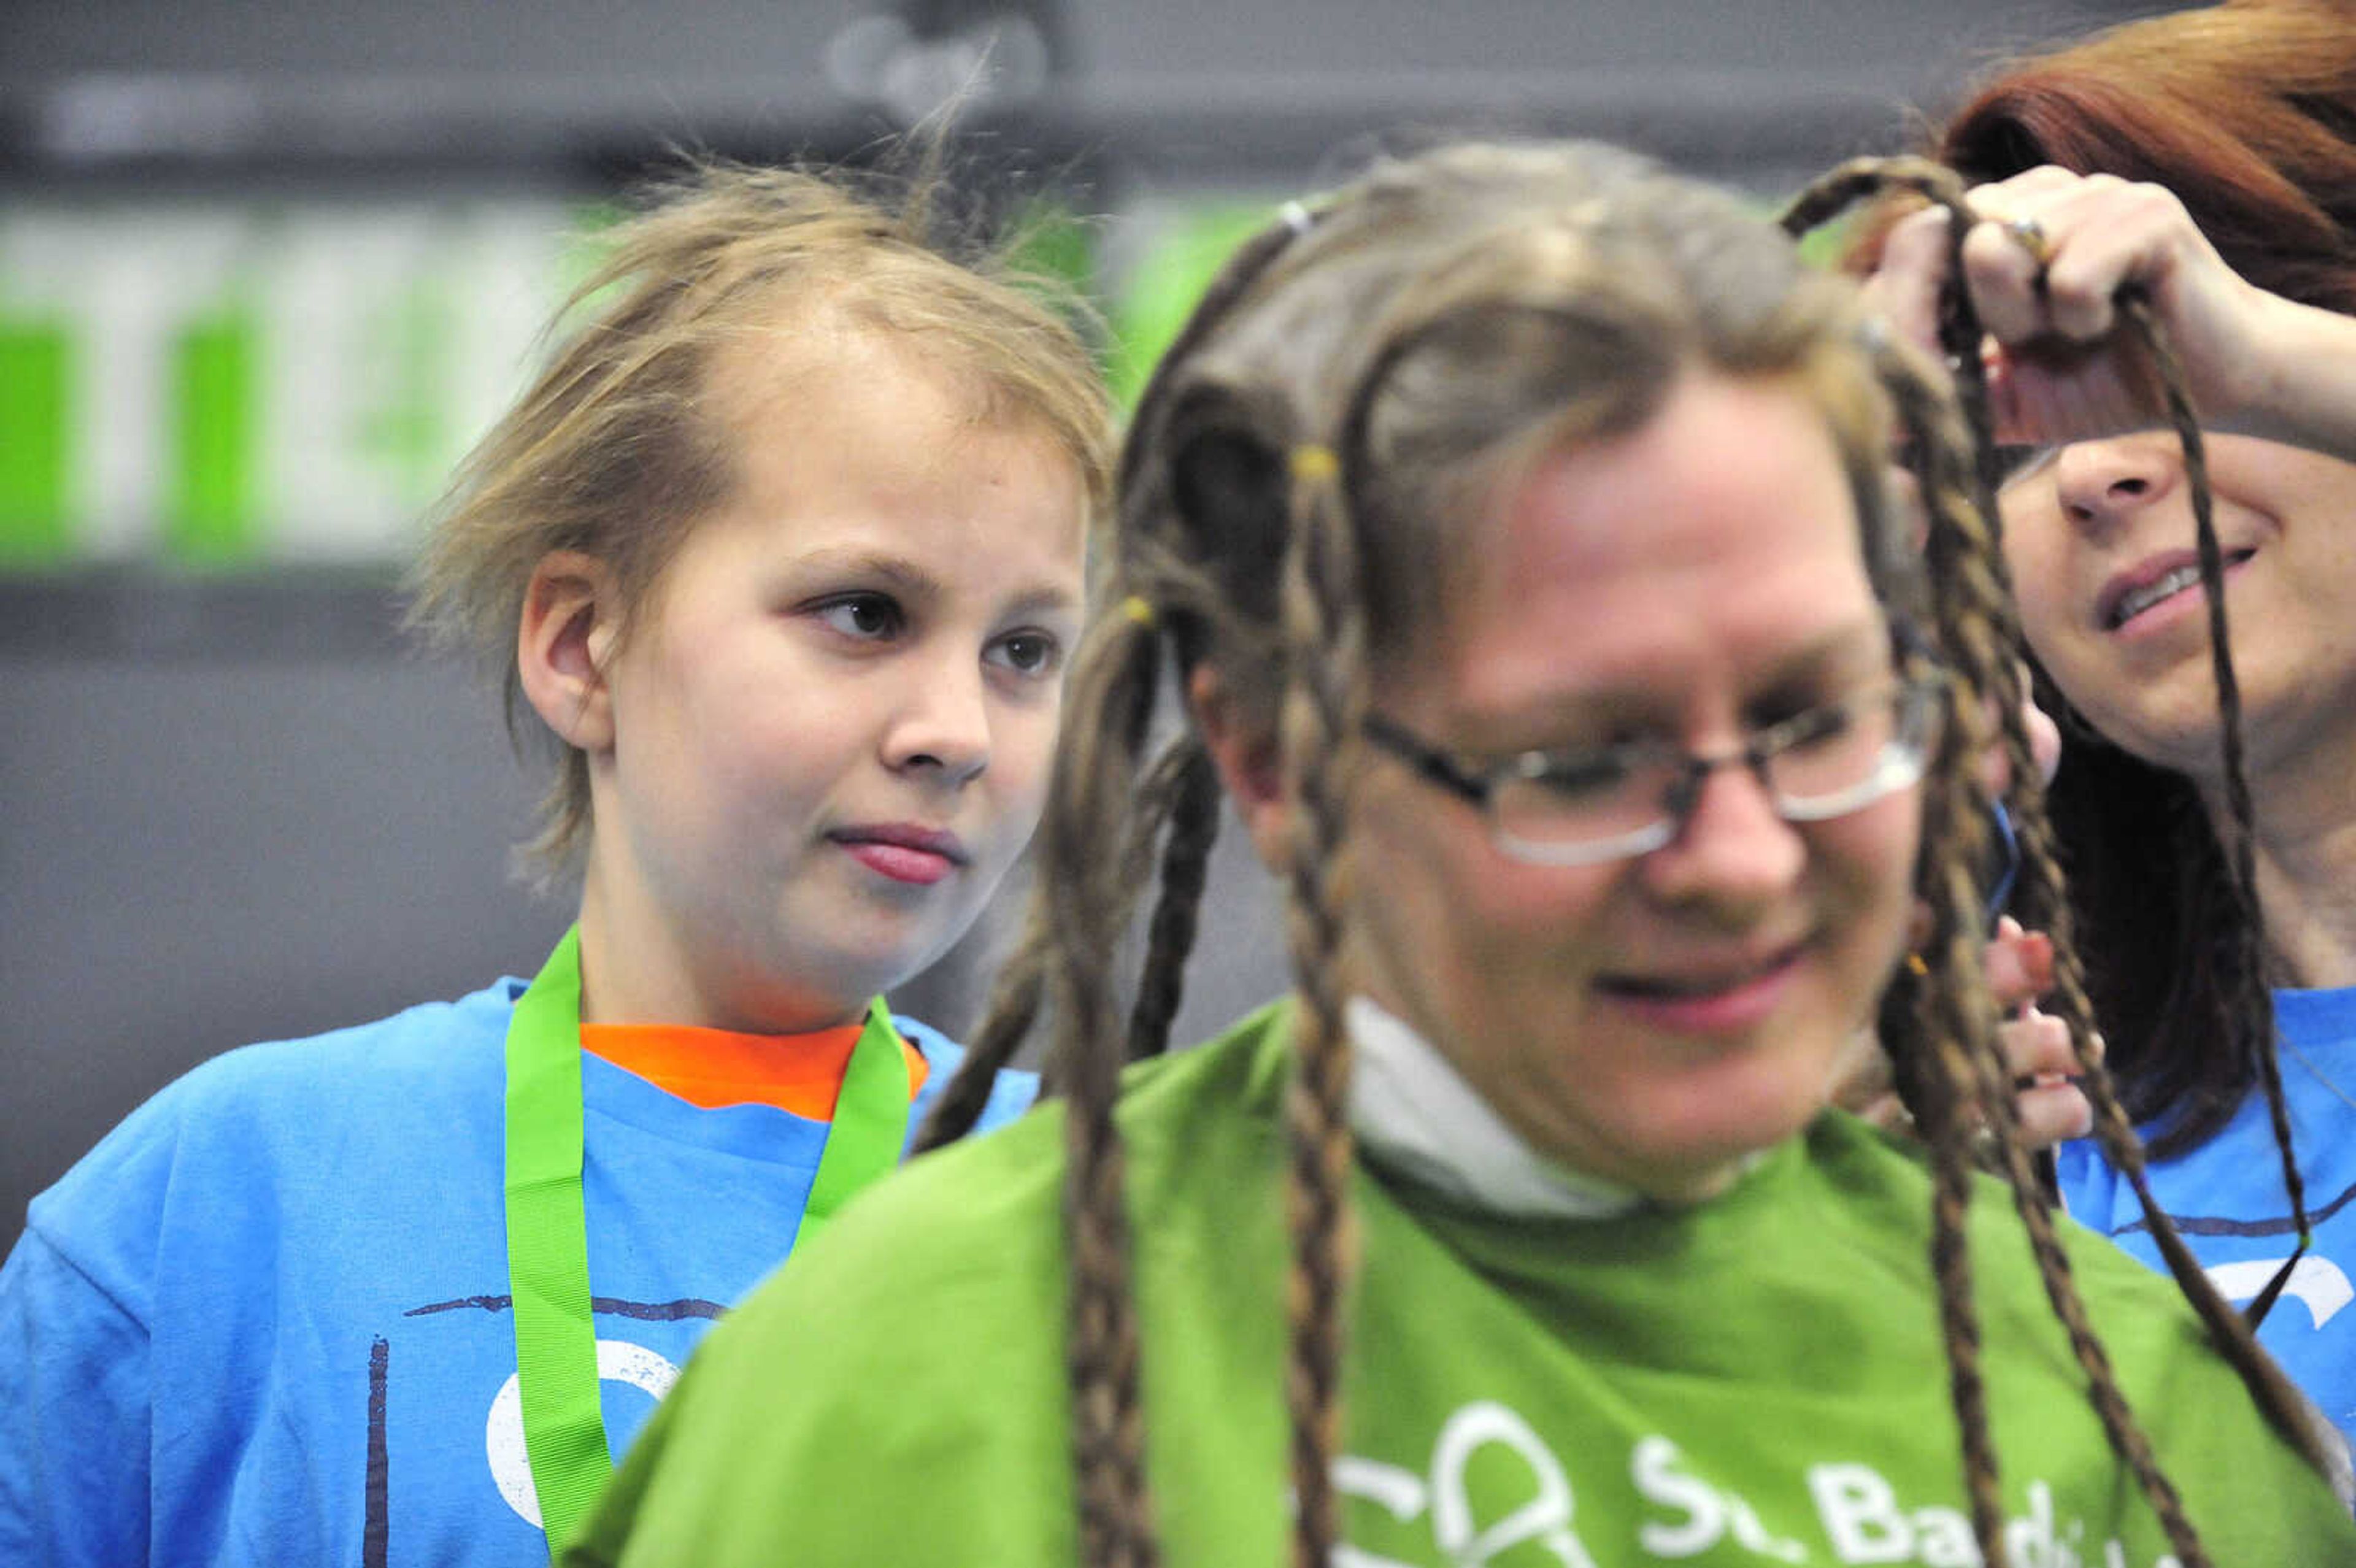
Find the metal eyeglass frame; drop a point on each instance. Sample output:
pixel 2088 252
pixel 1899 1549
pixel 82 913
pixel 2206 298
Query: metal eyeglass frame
pixel 1478 782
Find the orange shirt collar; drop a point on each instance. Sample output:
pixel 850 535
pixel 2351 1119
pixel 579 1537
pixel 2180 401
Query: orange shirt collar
pixel 711 1068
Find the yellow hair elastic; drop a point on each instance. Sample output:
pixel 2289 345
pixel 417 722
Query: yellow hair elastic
pixel 1914 963
pixel 1315 462
pixel 1138 609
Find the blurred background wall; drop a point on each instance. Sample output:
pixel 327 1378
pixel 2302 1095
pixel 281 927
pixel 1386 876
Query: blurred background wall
pixel 266 269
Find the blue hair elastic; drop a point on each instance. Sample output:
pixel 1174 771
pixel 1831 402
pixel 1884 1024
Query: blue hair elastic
pixel 2008 863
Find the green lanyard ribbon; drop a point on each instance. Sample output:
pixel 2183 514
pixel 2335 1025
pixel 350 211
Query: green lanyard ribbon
pixel 548 1228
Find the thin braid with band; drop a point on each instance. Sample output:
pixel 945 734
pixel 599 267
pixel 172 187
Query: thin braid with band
pixel 1953 1011
pixel 1015 1000
pixel 1180 795
pixel 1113 1489
pixel 1063 963
pixel 1114 682
pixel 1324 702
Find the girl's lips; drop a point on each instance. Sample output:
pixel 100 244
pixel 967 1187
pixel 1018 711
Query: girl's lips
pixel 906 852
pixel 900 862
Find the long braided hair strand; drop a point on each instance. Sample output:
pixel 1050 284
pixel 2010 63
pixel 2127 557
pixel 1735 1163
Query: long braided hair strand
pixel 1953 454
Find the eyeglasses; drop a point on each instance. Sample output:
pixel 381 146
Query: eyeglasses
pixel 1585 807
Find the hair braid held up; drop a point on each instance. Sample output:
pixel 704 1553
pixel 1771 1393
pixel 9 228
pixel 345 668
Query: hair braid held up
pixel 1954 462
pixel 2043 896
pixel 2242 111
pixel 1976 609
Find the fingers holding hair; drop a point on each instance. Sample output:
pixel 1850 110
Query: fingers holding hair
pixel 2011 255
pixel 1912 270
pixel 2048 266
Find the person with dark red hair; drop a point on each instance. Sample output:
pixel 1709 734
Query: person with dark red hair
pixel 2198 169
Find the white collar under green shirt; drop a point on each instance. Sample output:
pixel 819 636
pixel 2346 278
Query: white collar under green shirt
pixel 1418 1120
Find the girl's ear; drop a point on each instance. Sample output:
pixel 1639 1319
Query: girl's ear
pixel 1244 752
pixel 571 617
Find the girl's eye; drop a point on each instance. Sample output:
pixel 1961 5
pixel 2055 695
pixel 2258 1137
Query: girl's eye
pixel 870 617
pixel 1028 653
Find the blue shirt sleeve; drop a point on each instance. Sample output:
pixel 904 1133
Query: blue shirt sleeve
pixel 74 1432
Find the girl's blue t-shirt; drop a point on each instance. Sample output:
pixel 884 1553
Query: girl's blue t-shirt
pixel 266 1319
pixel 2228 1201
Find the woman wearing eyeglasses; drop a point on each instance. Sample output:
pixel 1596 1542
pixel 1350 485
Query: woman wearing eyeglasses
pixel 1517 524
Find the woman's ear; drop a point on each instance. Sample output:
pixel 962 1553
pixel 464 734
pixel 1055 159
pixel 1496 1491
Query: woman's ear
pixel 571 617
pixel 1245 752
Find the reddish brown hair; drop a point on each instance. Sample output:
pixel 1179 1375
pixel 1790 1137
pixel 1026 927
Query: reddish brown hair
pixel 2246 111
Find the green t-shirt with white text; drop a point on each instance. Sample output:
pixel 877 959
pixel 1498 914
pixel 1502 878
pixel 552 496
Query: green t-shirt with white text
pixel 1756 1380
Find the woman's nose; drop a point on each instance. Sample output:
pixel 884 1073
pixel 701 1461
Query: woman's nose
pixel 2101 482
pixel 1733 849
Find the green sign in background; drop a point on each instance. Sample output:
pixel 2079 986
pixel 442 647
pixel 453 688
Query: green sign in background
pixel 36 441
pixel 211 501
pixel 211 497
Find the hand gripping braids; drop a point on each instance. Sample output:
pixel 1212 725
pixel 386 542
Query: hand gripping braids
pixel 1953 451
pixel 1293 498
